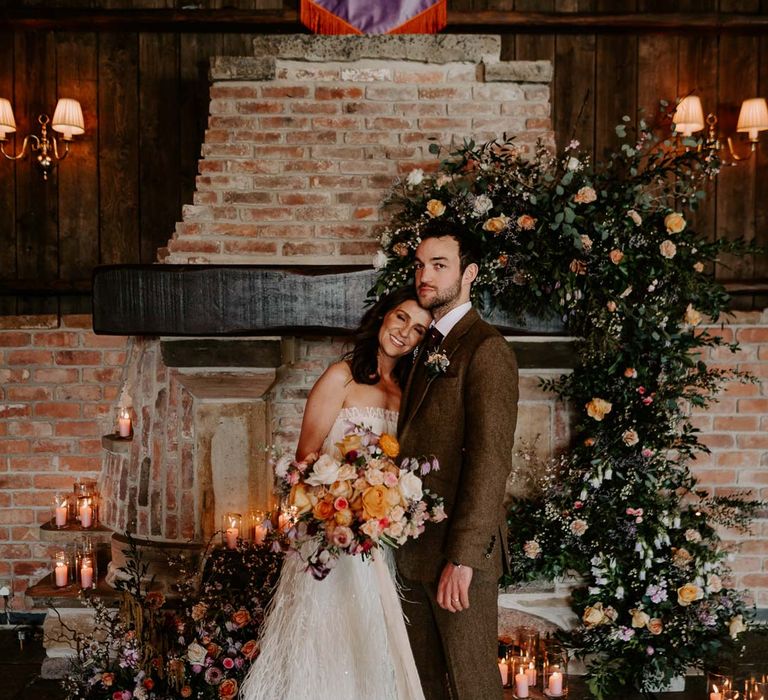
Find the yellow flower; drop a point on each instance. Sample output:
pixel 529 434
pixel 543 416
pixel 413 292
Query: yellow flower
pixel 300 499
pixel 389 445
pixel 594 615
pixel 698 266
pixel 674 222
pixel 598 408
pixel 497 224
pixel 375 502
pixel 639 618
pixel 688 593
pixel 616 256
pixel 343 517
pixel 668 249
pixel 435 208
pixel 350 443
pixel 692 317
pixel 526 222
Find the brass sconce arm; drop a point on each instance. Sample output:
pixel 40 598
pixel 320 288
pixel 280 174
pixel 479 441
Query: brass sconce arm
pixel 27 139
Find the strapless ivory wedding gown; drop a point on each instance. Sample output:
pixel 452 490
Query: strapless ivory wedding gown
pixel 342 638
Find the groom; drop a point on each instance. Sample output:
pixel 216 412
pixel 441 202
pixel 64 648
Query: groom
pixel 465 415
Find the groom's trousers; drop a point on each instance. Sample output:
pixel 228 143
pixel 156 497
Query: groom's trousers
pixel 456 653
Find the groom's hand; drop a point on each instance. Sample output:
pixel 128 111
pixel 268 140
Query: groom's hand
pixel 453 589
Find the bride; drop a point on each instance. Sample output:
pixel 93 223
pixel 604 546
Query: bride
pixel 344 638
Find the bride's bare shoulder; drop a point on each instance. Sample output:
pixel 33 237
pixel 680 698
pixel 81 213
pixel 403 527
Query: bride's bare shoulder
pixel 338 377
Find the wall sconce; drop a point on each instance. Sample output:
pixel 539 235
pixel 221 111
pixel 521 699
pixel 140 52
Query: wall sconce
pixel 753 118
pixel 67 120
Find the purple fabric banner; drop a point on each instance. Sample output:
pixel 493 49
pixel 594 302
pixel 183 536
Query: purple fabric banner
pixel 380 17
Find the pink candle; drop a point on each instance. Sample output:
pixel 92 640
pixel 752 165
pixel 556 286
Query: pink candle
pixel 86 515
pixel 556 684
pixel 86 574
pixel 61 516
pixel 504 671
pixel 124 424
pixel 230 536
pixel 61 572
pixel 531 673
pixel 521 684
pixel 259 534
pixel 715 694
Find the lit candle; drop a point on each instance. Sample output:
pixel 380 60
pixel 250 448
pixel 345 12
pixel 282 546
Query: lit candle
pixel 231 536
pixel 86 514
pixel 555 686
pixel 715 694
pixel 259 534
pixel 86 573
pixel 504 671
pixel 531 673
pixel 61 515
pixel 61 571
pixel 124 424
pixel 521 683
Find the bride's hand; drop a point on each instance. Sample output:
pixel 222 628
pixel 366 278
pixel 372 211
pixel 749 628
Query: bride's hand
pixel 453 589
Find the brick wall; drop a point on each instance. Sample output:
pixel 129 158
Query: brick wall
pixel 59 385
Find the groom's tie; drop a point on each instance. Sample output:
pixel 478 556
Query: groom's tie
pixel 433 340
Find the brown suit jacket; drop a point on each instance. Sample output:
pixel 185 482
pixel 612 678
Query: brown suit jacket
pixel 466 418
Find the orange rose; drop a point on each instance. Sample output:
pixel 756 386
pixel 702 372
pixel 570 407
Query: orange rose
pixel 655 625
pixel 578 267
pixel 250 649
pixel 616 256
pixel 598 408
pixel 228 689
pixel 526 222
pixel 241 618
pixel 389 445
pixel 375 502
pixel 435 208
pixel 213 650
pixel 186 692
pixel 324 510
pixel 107 679
pixel 350 443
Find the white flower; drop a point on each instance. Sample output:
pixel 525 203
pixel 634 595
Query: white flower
pixel 140 692
pixel 281 468
pixel 372 528
pixel 379 260
pixel 630 438
pixel 573 164
pixel 736 626
pixel 579 527
pixel 415 177
pixel 482 205
pixel 410 487
pixel 439 514
pixel 342 536
pixel 532 549
pixel 395 529
pixel 397 513
pixel 324 471
pixel 692 535
pixel 374 477
pixel 714 583
pixel 346 472
pixel 196 654
pixel 442 180
pixel 632 214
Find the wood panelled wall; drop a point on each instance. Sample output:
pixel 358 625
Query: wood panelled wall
pixel 145 98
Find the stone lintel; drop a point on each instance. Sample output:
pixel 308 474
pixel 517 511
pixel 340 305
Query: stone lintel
pixel 208 352
pixel 228 386
pixel 519 72
pixel 242 68
pixel 431 48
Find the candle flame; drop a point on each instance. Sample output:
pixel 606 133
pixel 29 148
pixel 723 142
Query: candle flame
pixel 714 688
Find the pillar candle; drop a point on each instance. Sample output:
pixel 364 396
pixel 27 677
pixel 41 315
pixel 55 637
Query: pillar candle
pixel 61 572
pixel 259 534
pixel 230 536
pixel 715 694
pixel 86 574
pixel 556 684
pixel 61 516
pixel 521 684
pixel 124 424
pixel 531 673
pixel 504 671
pixel 86 515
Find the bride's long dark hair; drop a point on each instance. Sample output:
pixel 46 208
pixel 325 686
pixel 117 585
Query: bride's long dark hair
pixel 363 358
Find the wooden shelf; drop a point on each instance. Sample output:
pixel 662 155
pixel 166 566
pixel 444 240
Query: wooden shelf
pixel 116 444
pixel 72 531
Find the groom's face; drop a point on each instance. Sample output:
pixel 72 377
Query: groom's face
pixel 438 273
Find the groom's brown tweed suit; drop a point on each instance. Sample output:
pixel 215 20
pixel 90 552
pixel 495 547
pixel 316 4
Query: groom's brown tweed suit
pixel 465 417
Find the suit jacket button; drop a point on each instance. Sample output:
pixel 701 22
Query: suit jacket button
pixel 487 556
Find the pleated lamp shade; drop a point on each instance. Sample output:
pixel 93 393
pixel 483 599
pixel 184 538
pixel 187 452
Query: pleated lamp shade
pixel 68 118
pixel 689 116
pixel 753 117
pixel 7 122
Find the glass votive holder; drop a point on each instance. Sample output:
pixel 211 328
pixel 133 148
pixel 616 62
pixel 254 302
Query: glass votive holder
pixel 287 518
pixel 60 508
pixel 719 686
pixel 231 529
pixel 520 677
pixel 61 569
pixel 528 641
pixel 257 528
pixel 85 512
pixel 555 673
pixel 87 571
pixel 756 687
pixel 124 427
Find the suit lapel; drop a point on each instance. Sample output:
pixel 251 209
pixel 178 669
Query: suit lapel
pixel 418 381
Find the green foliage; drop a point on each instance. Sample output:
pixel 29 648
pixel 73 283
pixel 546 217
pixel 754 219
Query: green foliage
pixel 609 250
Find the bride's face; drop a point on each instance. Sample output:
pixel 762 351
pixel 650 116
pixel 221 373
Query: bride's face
pixel 403 328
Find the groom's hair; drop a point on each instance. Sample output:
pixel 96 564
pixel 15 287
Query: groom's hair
pixel 469 244
pixel 363 359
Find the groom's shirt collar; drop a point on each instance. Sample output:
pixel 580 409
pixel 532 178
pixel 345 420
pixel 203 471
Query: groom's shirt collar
pixel 446 323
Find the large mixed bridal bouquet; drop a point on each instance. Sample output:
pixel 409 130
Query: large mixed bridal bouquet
pixel 610 249
pixel 356 504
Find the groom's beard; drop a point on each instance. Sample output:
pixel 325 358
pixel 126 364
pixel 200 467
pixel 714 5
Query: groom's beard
pixel 443 301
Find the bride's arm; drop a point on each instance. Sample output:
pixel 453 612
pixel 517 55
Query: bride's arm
pixel 323 405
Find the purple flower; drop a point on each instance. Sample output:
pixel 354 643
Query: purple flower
pixel 650 651
pixel 196 668
pixel 213 675
pixel 657 594
pixel 626 633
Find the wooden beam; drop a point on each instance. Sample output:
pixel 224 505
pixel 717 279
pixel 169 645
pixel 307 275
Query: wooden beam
pixel 287 21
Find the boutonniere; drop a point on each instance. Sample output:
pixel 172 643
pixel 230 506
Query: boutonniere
pixel 437 363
